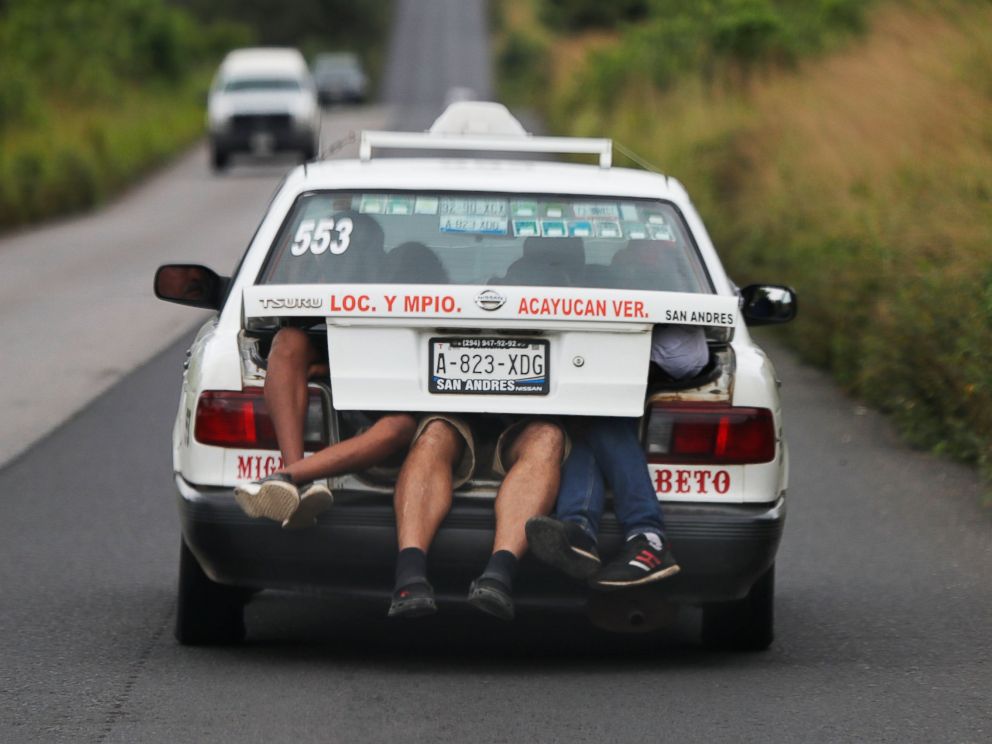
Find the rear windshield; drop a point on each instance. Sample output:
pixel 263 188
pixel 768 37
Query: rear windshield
pixel 251 84
pixel 485 239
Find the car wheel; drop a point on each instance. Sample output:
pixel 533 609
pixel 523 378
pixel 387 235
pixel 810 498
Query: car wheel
pixel 744 625
pixel 219 158
pixel 208 613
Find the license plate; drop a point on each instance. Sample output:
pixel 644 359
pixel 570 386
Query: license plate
pixel 491 366
pixel 262 142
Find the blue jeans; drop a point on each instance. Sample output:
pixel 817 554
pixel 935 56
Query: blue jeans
pixel 606 450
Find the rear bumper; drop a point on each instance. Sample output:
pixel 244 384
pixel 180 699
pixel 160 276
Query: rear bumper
pixel 278 139
pixel 722 549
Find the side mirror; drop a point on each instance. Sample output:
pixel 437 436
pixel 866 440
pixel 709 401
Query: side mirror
pixel 190 284
pixel 768 304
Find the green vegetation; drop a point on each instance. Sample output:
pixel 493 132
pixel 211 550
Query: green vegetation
pixel 846 151
pixel 94 93
pixel 312 26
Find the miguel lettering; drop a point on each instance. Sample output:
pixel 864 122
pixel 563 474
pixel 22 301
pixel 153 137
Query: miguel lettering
pixel 254 467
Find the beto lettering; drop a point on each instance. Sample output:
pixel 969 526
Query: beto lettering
pixel 698 482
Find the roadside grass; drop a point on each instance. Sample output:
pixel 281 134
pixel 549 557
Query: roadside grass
pixel 861 176
pixel 95 93
pixel 75 155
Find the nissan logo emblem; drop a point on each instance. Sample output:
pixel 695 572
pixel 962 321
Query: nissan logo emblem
pixel 489 299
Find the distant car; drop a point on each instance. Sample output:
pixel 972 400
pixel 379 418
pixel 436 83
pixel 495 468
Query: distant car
pixel 262 100
pixel 480 285
pixel 340 78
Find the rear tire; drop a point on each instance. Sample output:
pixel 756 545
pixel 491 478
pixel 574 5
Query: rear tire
pixel 208 613
pixel 746 624
pixel 219 158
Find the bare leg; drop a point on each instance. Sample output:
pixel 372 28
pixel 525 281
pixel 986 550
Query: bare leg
pixel 286 393
pixel 423 490
pixel 531 485
pixel 386 436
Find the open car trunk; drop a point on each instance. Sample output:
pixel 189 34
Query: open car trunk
pixel 393 348
pixel 381 363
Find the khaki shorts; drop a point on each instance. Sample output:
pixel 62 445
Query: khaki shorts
pixel 466 466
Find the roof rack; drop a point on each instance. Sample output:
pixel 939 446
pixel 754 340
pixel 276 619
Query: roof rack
pixel 495 143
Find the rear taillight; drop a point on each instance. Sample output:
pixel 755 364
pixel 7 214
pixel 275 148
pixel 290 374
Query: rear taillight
pixel 240 419
pixel 717 435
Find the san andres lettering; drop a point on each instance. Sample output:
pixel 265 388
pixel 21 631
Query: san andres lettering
pixel 699 317
pixel 443 385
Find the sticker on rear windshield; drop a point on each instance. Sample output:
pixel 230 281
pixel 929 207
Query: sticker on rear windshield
pixel 469 223
pixel 525 228
pixel 593 211
pixel 635 230
pixel 553 229
pixel 579 229
pixel 399 205
pixel 477 207
pixel 524 209
pixel 608 229
pixel 426 205
pixel 372 204
pixel 661 232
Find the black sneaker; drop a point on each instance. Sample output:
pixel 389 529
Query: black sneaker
pixel 643 559
pixel 413 600
pixel 564 545
pixel 274 497
pixel 492 597
pixel 314 498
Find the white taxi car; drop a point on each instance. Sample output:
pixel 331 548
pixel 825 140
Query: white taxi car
pixel 493 285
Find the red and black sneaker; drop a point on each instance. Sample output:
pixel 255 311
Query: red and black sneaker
pixel 644 558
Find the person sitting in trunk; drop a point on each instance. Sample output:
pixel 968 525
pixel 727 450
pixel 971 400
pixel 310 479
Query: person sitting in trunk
pixel 296 493
pixel 529 452
pixel 607 451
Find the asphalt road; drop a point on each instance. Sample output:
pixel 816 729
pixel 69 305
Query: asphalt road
pixel 884 595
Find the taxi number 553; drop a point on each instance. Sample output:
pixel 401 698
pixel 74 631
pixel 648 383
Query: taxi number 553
pixel 315 236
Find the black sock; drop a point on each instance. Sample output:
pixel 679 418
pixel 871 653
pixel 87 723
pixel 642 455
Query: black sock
pixel 502 566
pixel 411 567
